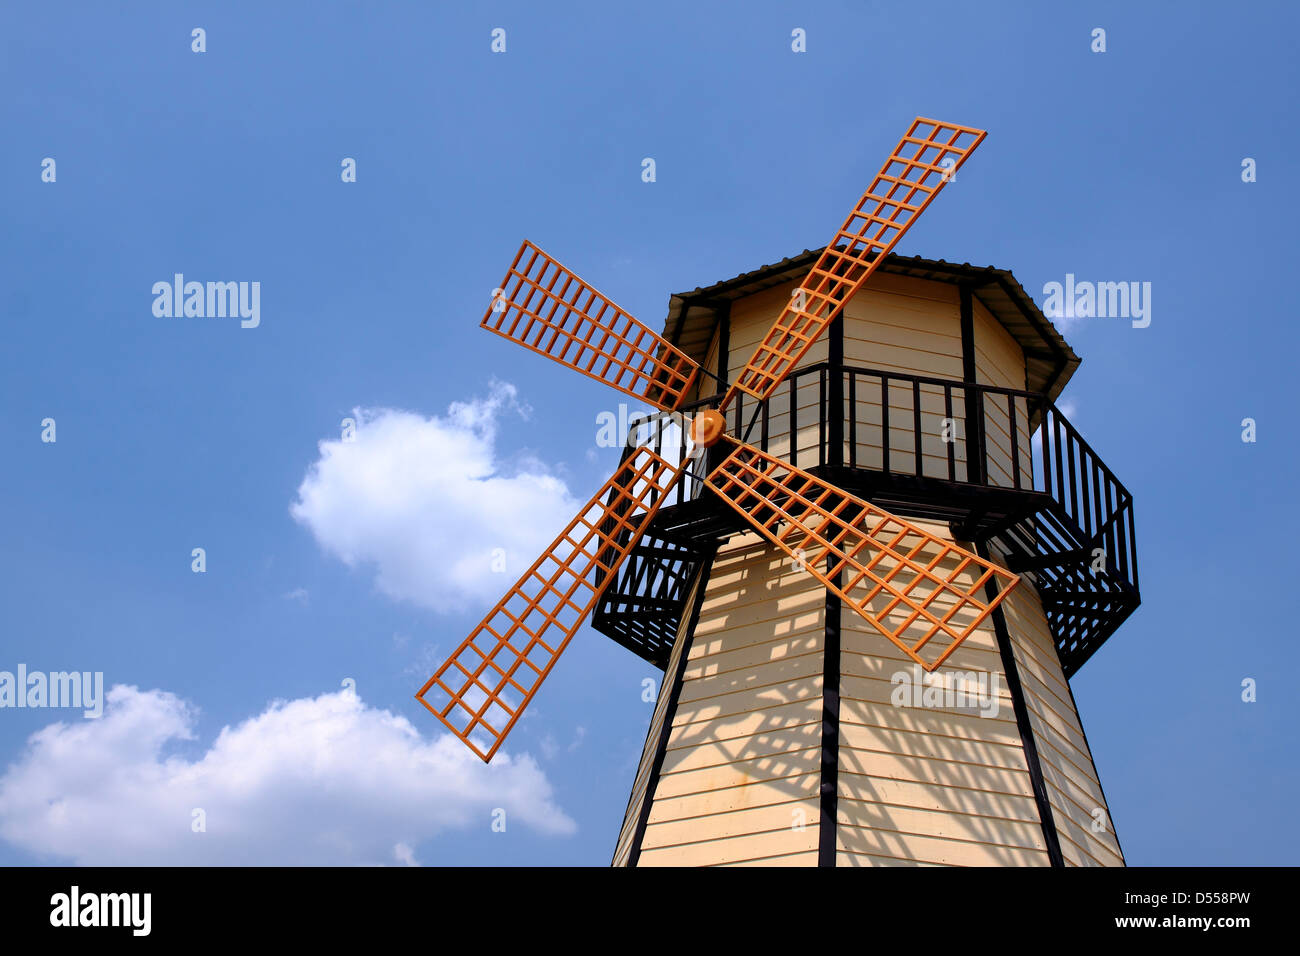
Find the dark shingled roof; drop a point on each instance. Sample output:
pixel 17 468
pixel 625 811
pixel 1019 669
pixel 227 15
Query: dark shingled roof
pixel 1049 359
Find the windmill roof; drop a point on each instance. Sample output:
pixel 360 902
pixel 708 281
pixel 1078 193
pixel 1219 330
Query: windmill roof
pixel 1049 360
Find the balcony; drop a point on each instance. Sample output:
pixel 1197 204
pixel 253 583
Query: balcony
pixel 1002 466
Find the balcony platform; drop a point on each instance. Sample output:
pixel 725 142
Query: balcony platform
pixel 1037 496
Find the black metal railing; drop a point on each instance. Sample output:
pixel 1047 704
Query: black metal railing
pixel 896 423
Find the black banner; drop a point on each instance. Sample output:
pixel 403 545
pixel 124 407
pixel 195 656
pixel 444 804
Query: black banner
pixel 330 905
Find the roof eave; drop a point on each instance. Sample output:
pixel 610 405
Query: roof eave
pixel 1049 359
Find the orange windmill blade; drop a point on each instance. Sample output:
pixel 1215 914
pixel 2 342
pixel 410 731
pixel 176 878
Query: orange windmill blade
pixel 480 692
pixel 924 160
pixel 546 308
pixel 914 582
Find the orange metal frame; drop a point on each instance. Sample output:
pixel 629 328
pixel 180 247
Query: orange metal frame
pixel 485 685
pixel 899 193
pixel 546 308
pixel 824 522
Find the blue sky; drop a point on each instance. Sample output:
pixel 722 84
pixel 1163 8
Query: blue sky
pixel 177 433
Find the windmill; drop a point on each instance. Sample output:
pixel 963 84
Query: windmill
pixel 914 587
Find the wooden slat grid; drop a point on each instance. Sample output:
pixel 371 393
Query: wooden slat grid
pixel 911 585
pixel 546 308
pixel 912 176
pixel 485 685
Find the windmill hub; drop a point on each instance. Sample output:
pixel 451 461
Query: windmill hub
pixel 707 427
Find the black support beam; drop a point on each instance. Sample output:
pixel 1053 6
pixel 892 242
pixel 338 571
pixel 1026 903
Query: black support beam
pixel 1027 741
pixel 674 689
pixel 974 434
pixel 830 763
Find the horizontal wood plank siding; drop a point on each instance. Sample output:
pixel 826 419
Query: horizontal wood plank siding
pixel 645 769
pixel 930 781
pixel 914 327
pixel 751 318
pixel 1068 769
pixel 739 782
pixel 999 361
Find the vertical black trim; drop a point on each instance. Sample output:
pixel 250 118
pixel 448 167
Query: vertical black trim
pixel 1027 742
pixel 830 769
pixel 966 297
pixel 974 435
pixel 713 456
pixel 834 414
pixel 666 729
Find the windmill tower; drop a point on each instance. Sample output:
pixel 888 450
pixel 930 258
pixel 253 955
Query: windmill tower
pixel 868 562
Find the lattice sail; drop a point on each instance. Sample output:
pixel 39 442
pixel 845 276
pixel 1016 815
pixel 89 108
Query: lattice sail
pixel 922 163
pixel 546 308
pixel 923 593
pixel 482 689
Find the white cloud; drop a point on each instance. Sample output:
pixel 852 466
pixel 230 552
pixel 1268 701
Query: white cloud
pixel 405 855
pixel 313 781
pixel 427 659
pixel 427 503
pixel 550 747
